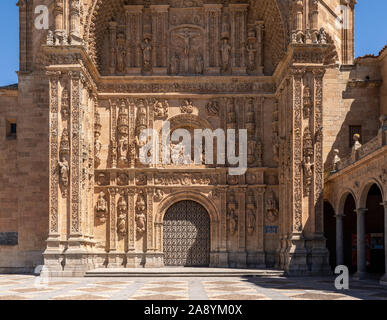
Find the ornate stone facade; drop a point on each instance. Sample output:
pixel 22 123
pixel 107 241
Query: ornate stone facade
pixel 106 70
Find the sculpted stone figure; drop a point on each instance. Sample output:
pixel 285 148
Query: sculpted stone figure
pixel 175 64
pixel 101 207
pixel 122 209
pixel 251 52
pixel 226 54
pixel 199 66
pixel 121 52
pixel 147 53
pixel 64 170
pixel 140 214
pixel 232 217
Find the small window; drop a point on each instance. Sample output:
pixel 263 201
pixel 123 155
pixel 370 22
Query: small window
pixel 352 131
pixel 11 129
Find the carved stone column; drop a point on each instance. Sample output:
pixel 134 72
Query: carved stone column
pixel 238 15
pixel 134 24
pixel 159 38
pixel 383 280
pixel 58 17
pixel 54 224
pixel 75 15
pixel 113 46
pixel 361 272
pixel 259 27
pixel 242 254
pixel 212 41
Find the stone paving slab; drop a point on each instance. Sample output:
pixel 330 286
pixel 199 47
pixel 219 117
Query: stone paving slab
pixel 184 288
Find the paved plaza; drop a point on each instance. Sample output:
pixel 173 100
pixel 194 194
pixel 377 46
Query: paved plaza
pixel 29 287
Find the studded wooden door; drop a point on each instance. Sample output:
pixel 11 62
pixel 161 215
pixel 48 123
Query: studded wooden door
pixel 186 235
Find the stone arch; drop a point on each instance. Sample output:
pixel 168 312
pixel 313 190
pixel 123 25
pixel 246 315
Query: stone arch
pixel 366 188
pixel 195 196
pixel 339 208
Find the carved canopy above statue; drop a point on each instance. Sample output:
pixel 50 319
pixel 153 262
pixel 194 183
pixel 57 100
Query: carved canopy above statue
pixel 185 37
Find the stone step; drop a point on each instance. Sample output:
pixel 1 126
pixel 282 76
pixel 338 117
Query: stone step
pixel 182 272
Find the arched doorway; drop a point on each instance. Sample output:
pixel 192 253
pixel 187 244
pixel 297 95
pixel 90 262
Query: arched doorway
pixel 330 232
pixel 374 223
pixel 350 234
pixel 186 235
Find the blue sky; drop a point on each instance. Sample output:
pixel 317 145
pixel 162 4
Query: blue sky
pixel 371 34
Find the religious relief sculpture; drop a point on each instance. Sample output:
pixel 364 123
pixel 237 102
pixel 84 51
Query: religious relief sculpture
pixel 64 170
pixel 252 51
pixel 147 48
pixel 174 66
pixel 158 196
pixel 140 214
pixel 271 207
pixel 226 55
pixel 123 132
pixel 251 212
pixel 199 64
pixel 308 173
pixel 97 142
pixel 232 216
pixel 121 52
pixel 160 109
pixel 225 48
pixel 101 207
pixel 308 154
pixel 212 108
pixel 122 210
pixel 63 164
pixel 187 107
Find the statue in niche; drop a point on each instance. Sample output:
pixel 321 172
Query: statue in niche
pixel 225 54
pixel 175 64
pixel 232 217
pixel 251 208
pixel 121 52
pixel 101 207
pixel 271 206
pixel 123 150
pixel 122 209
pixel 251 53
pixel 199 66
pixel 308 172
pixel 146 48
pixel 97 146
pixel 64 170
pixel 140 214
